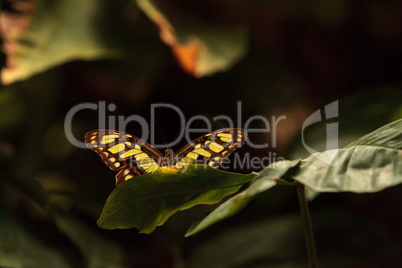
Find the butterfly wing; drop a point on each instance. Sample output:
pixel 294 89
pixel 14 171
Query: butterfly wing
pixel 213 147
pixel 124 152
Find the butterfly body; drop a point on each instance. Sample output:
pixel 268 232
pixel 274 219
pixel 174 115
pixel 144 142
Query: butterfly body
pixel 169 159
pixel 134 157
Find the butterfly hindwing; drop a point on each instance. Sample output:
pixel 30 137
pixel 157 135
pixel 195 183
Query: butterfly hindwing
pixel 124 152
pixel 212 148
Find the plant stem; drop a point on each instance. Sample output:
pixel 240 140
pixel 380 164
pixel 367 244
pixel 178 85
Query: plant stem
pixel 307 226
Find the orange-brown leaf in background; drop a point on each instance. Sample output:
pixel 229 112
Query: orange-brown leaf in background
pixel 187 55
pixel 200 48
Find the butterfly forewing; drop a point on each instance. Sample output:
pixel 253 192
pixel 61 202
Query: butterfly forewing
pixel 124 152
pixel 212 148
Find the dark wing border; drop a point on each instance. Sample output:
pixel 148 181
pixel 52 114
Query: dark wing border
pixel 128 168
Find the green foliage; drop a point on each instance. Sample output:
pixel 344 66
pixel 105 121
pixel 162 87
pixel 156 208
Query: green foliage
pixel 200 47
pixel 265 180
pixel 69 30
pixel 370 164
pixel 54 34
pixel 149 200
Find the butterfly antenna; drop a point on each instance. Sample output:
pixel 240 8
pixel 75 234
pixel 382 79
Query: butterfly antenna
pixel 160 131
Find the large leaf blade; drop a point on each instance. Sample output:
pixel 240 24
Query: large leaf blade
pixel 370 164
pixel 147 201
pixel 388 136
pixel 265 180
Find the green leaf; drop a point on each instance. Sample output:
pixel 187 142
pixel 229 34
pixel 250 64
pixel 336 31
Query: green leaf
pixel 370 164
pixel 147 201
pixel 277 170
pixel 388 136
pixel 265 180
pixel 200 47
pixel 45 34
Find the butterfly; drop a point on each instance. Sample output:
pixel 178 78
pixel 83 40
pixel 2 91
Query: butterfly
pixel 133 156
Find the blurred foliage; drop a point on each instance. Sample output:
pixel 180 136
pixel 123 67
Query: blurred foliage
pixel 200 47
pixel 277 57
pixel 41 35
